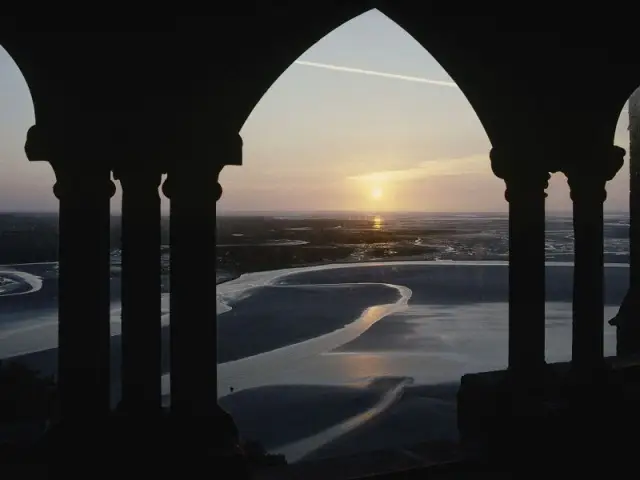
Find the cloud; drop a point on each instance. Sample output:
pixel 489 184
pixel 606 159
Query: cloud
pixel 472 165
pixel 394 76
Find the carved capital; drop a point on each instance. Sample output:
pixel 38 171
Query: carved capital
pixel 69 144
pixel 209 153
pixel 588 174
pixel 523 176
pixel 175 178
pixel 227 149
pixel 81 173
pixel 83 185
pixel 37 146
pixel 205 149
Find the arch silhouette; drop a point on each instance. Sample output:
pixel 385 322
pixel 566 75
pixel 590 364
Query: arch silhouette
pixel 391 75
pixel 388 81
pixel 330 27
pixel 24 185
pixel 469 77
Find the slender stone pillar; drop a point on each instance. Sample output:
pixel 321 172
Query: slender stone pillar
pixel 587 176
pixel 202 430
pixel 193 189
pixel 526 181
pixel 84 188
pixel 141 290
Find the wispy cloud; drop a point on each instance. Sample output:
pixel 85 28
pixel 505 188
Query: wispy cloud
pixel 394 76
pixel 472 165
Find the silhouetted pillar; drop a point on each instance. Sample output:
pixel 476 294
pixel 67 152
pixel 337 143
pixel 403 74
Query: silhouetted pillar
pixel 587 175
pixel 193 189
pixel 84 188
pixel 526 181
pixel 141 290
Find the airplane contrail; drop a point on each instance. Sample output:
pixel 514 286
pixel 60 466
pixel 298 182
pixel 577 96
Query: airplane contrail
pixel 339 68
pixel 395 76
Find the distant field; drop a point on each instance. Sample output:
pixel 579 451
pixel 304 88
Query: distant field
pixel 266 242
pixel 254 243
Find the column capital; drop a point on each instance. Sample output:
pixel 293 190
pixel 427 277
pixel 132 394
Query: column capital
pixel 524 174
pixel 169 185
pixel 588 172
pixel 77 144
pixel 207 155
pixel 73 183
pixel 79 172
pixel 598 164
pixel 203 152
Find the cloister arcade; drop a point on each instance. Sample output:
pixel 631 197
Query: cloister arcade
pixel 169 95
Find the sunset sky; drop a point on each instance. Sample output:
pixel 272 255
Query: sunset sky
pixel 366 120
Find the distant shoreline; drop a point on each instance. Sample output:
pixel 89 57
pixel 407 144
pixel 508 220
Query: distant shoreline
pixel 270 213
pixel 501 261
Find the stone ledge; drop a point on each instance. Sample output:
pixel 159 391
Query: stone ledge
pixel 496 418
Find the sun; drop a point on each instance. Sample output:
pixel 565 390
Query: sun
pixel 376 193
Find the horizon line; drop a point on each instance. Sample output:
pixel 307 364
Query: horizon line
pixel 369 212
pixel 319 211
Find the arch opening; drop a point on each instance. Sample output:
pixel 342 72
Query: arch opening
pixel 24 186
pixel 366 158
pixel 353 104
pixel 28 252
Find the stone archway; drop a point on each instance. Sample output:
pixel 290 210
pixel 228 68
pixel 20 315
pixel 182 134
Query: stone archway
pixel 527 196
pixel 494 99
pixel 298 109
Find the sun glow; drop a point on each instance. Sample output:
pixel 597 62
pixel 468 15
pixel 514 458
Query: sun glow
pixel 376 193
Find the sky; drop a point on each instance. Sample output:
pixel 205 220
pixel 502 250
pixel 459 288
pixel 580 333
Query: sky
pixel 365 120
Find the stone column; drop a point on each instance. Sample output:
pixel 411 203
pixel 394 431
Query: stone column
pixel 526 180
pixel 587 176
pixel 84 188
pixel 192 185
pixel 141 289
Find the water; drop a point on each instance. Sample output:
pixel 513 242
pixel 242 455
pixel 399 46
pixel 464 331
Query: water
pixel 386 346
